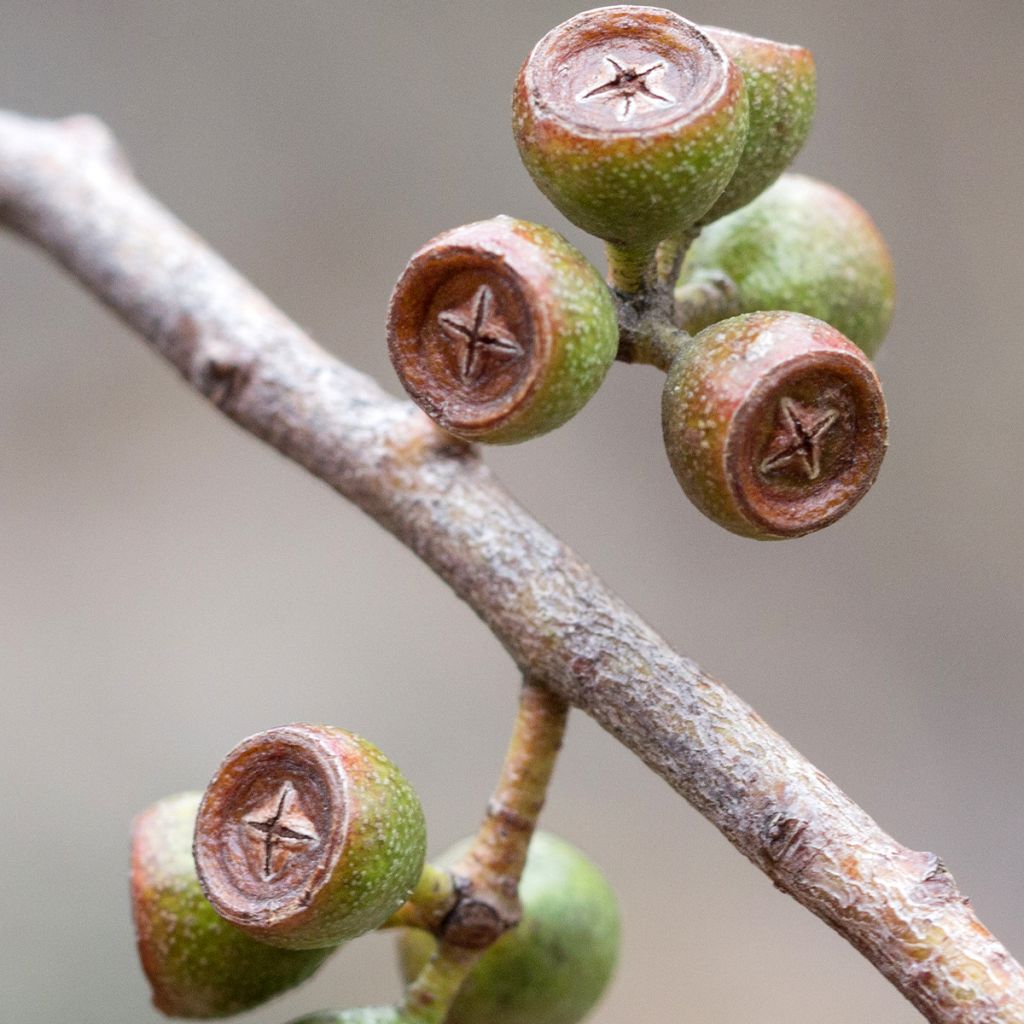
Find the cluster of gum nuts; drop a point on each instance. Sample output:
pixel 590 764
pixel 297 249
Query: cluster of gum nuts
pixel 761 294
pixel 308 837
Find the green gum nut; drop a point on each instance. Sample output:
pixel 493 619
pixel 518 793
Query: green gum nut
pixel 631 120
pixel 803 246
pixel 781 93
pixel 774 424
pixel 308 836
pixel 501 330
pixel 198 965
pixel 553 967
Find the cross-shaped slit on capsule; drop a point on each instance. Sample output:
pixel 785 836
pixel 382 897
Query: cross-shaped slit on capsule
pixel 284 828
pixel 480 332
pixel 628 85
pixel 800 440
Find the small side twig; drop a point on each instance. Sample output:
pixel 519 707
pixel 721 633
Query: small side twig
pixel 488 875
pixel 480 901
pixel 429 997
pixel 648 329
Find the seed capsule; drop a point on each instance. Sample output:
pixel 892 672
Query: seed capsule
pixel 553 967
pixel 802 246
pixel 774 424
pixel 308 836
pixel 198 965
pixel 781 93
pixel 501 330
pixel 631 121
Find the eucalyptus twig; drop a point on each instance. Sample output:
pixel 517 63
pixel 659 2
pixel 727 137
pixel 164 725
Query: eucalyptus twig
pixel 482 898
pixel 429 997
pixel 488 875
pixel 62 186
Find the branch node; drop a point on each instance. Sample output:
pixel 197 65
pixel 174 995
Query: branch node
pixel 784 843
pixel 479 918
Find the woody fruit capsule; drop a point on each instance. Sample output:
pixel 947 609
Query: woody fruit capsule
pixel 780 81
pixel 501 330
pixel 803 246
pixel 198 965
pixel 631 120
pixel 308 836
pixel 774 424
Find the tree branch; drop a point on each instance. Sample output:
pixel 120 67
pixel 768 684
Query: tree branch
pixel 63 185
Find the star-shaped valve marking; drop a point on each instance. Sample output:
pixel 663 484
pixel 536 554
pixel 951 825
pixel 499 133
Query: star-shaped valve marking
pixel 281 828
pixel 479 331
pixel 630 86
pixel 799 440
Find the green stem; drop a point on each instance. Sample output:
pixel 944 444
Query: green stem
pixel 628 268
pixel 428 999
pixel 429 903
pixel 498 854
pixel 670 256
pixel 490 872
pixel 655 342
pixel 704 300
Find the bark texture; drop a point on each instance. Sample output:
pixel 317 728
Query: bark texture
pixel 64 186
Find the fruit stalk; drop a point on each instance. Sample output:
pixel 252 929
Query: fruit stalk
pixel 653 341
pixel 474 903
pixel 670 255
pixel 705 300
pixel 431 901
pixel 429 997
pixel 480 903
pixel 628 268
pixel 497 858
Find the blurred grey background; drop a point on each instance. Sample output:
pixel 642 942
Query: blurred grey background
pixel 168 585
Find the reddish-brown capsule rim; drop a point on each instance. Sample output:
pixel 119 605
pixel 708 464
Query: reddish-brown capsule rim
pixel 774 423
pixel 272 826
pixel 469 325
pixel 625 70
pixel 792 492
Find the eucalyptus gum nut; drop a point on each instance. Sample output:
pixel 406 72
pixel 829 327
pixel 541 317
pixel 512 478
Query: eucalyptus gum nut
pixel 631 121
pixel 501 330
pixel 774 424
pixel 808 247
pixel 308 836
pixel 198 965
pixel 781 90
pixel 553 967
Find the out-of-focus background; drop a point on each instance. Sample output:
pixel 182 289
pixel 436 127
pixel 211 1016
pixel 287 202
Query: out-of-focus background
pixel 168 585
